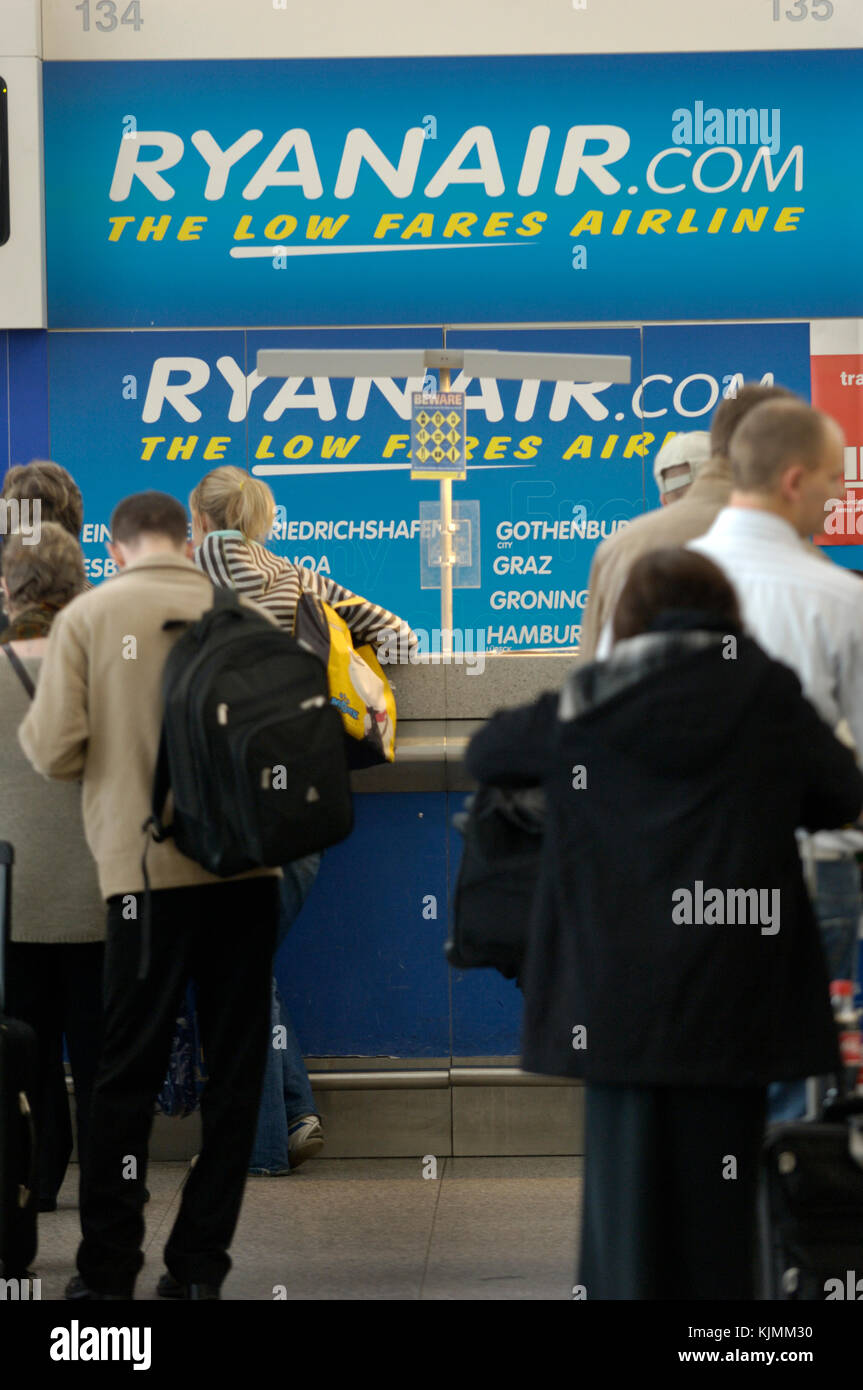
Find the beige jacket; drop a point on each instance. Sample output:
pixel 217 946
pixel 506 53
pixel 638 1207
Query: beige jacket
pixel 97 714
pixel 683 521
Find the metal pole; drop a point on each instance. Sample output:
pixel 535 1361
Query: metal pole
pixel 447 556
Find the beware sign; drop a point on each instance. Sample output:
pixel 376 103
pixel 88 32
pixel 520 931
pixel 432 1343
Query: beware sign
pixel 438 435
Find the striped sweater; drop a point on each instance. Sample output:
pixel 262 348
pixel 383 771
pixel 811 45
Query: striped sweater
pixel 233 562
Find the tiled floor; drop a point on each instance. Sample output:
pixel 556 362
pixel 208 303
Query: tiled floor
pixel 484 1228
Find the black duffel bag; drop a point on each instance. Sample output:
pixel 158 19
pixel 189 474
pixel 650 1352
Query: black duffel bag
pixel 497 878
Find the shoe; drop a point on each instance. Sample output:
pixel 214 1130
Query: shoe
pixel 305 1140
pixel 77 1290
pixel 169 1287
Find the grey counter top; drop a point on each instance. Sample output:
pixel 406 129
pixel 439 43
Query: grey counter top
pixel 460 691
pixel 440 706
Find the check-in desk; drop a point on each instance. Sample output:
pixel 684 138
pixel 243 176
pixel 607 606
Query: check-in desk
pixel 406 1055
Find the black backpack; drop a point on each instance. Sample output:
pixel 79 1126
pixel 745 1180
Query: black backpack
pixel 497 879
pixel 251 747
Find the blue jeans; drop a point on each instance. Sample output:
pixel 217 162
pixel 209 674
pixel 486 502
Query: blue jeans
pixel 286 1094
pixel 837 906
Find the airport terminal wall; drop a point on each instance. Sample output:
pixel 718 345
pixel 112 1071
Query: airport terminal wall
pixel 536 179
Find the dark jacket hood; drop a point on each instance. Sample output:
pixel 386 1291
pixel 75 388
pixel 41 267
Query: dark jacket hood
pixel 669 700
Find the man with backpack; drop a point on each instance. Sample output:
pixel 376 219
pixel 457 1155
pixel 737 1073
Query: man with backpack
pixel 97 717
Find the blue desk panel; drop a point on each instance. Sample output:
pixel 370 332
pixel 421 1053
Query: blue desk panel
pixel 362 972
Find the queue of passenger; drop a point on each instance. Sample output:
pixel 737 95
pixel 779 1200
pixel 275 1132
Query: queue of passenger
pixel 95 720
pixel 705 747
pixel 703 762
pixel 777 468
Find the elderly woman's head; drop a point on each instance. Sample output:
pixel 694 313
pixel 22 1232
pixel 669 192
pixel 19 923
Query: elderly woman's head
pixel 674 581
pixel 55 490
pixel 50 571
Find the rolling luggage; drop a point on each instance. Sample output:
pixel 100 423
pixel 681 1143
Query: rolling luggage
pixel 811 1206
pixel 18 1195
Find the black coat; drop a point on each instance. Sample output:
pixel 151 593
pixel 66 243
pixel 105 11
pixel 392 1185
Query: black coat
pixel 698 767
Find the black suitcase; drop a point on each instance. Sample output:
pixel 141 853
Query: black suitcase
pixel 18 1196
pixel 497 879
pixel 811 1208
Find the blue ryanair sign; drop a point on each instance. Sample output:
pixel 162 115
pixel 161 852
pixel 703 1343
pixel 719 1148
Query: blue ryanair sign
pixel 552 468
pixel 388 191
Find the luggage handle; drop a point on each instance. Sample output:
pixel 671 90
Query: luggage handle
pixel 25 1191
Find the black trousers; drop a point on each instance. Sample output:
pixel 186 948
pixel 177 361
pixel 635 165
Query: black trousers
pixel 222 936
pixel 671 1183
pixel 57 989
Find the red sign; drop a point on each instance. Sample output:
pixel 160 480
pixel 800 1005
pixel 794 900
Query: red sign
pixel 837 389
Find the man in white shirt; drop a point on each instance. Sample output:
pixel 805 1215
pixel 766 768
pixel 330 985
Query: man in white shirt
pixel 788 467
pixel 675 525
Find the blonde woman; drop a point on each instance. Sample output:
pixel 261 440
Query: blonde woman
pixel 232 515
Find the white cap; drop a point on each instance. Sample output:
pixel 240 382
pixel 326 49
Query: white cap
pixel 693 449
